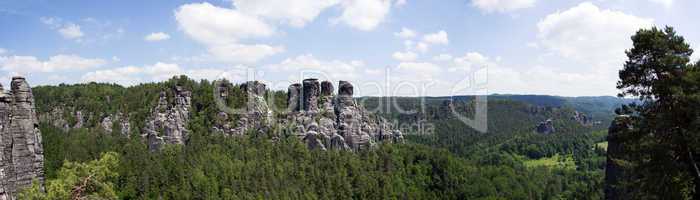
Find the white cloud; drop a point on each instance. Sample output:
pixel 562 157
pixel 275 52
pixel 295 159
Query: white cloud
pixel 533 45
pixel 422 47
pixel 471 61
pixel 25 64
pixel 244 53
pixel 156 37
pixel 502 5
pixel 548 80
pixel 421 70
pixel 591 41
pixel 132 75
pixel 400 2
pixel 53 22
pixel 442 57
pixel 67 30
pixel 221 31
pixel 363 15
pixel 296 13
pixel 2 51
pixel 405 33
pixel 162 71
pixel 126 76
pixel 404 56
pixel 586 32
pixel 695 57
pixel 209 24
pixel 70 31
pixel 439 37
pixel 332 70
pixel 666 3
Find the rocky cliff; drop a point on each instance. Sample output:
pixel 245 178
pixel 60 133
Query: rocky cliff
pixel 21 153
pixel 314 114
pixel 581 118
pixel 545 127
pixel 327 121
pixel 614 172
pixel 168 120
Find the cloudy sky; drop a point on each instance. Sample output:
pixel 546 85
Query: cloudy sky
pixel 385 47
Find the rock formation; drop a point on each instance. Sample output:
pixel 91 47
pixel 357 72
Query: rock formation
pixel 107 124
pixel 581 118
pixel 325 121
pixel 316 116
pixel 614 172
pixel 21 153
pixel 545 127
pixel 257 116
pixel 293 94
pixel 310 93
pixel 167 123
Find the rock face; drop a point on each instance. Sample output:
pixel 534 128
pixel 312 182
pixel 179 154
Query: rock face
pixel 613 170
pixel 293 94
pixel 310 94
pixel 168 121
pixel 21 153
pixel 545 127
pixel 326 121
pixel 257 116
pixel 581 118
pixel 108 123
pixel 316 116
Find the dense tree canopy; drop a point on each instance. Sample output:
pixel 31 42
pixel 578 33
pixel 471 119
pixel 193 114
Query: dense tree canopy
pixel 456 162
pixel 662 151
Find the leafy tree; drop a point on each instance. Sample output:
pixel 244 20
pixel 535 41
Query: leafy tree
pixel 663 148
pixel 92 180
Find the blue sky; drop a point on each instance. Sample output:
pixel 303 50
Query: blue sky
pixel 385 47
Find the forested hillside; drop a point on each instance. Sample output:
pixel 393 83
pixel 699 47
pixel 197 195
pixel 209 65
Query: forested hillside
pixel 511 161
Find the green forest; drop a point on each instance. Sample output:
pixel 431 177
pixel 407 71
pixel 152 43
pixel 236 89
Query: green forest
pixel 510 161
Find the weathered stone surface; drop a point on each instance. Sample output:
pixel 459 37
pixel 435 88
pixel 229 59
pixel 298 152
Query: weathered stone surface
pixel 313 142
pixel 614 172
pixel 79 118
pixel 338 143
pixel 310 94
pixel 581 118
pixel 397 136
pixel 339 123
pixel 254 87
pixel 345 88
pixel 257 116
pixel 21 153
pixel 318 118
pixel 55 118
pixel 326 88
pixel 107 124
pixel 293 97
pixel 545 127
pixel 167 123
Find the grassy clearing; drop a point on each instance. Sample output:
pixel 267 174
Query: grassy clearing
pixel 602 145
pixel 556 161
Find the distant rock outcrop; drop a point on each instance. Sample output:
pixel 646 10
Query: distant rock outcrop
pixel 21 152
pixel 581 118
pixel 614 172
pixel 545 127
pixel 325 121
pixel 258 115
pixel 108 123
pixel 168 121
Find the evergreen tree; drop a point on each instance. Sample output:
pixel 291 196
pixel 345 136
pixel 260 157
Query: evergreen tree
pixel 664 146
